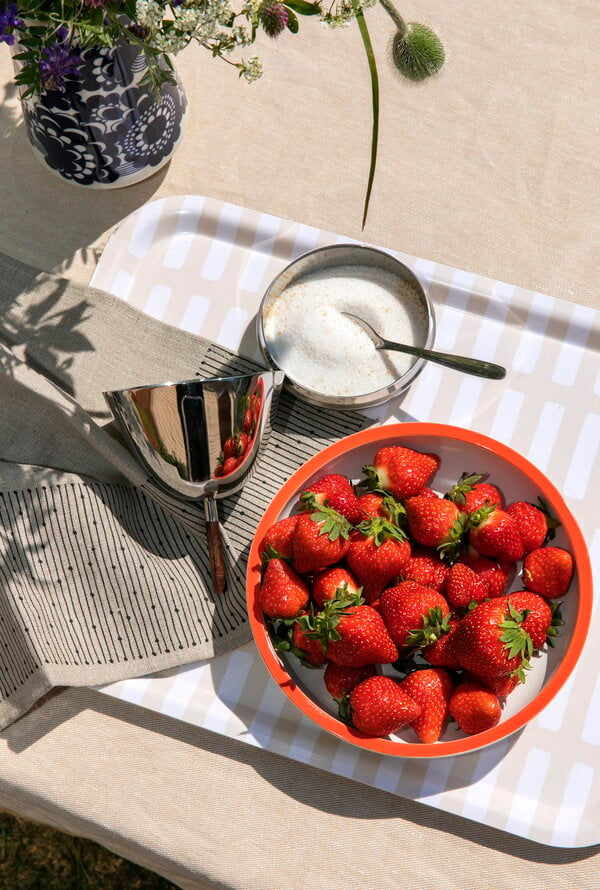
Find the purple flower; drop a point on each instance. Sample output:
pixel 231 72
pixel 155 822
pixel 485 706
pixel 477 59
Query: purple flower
pixel 273 17
pixel 9 20
pixel 139 31
pixel 57 63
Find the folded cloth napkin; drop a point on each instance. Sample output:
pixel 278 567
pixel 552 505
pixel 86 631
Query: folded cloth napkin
pixel 102 575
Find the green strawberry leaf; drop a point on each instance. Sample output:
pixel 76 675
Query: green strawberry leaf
pixel 333 524
pixel 373 481
pixel 456 539
pixel 435 626
pixel 344 709
pixel 380 530
pixel 465 484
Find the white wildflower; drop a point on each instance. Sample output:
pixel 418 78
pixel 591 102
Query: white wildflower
pixel 149 14
pixel 252 69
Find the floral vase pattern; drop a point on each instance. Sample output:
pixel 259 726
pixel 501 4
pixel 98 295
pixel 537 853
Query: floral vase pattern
pixel 105 129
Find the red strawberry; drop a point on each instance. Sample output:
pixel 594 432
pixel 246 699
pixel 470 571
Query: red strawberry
pixel 229 465
pixel 371 504
pixel 431 688
pixel 282 594
pixel 352 635
pixel 548 571
pixel 464 586
pixel 490 640
pixel 379 706
pixel 426 567
pixel 502 686
pixel 335 491
pixel 427 493
pixel 493 574
pixel 309 651
pixel 279 539
pixel 470 493
pixel 320 539
pixel 377 554
pixel 328 581
pixel 235 446
pixel 534 523
pixel 441 653
pixel 401 471
pixel 340 679
pixel 413 614
pixel 474 707
pixel 381 506
pixel 248 422
pixel 542 619
pixel 435 523
pixel 494 533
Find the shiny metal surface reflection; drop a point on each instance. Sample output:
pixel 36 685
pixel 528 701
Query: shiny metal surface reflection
pixel 199 439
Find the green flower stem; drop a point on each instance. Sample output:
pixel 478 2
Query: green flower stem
pixel 366 39
pixel 395 16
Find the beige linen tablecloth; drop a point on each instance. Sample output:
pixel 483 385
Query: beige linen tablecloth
pixel 493 168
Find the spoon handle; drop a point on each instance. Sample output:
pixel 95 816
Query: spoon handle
pixel 457 362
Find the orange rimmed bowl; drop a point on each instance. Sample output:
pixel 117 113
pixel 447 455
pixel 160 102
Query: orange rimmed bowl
pixel 459 450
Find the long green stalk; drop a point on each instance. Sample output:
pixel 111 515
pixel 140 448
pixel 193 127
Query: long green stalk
pixel 366 39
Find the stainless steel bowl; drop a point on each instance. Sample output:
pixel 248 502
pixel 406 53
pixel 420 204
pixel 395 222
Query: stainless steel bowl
pixel 344 255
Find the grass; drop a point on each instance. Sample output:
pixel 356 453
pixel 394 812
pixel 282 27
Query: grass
pixel 33 857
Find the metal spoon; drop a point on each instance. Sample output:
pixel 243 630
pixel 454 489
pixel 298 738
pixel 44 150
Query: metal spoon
pixel 457 362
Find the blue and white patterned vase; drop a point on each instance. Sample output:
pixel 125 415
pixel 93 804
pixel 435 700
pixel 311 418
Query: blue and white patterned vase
pixel 106 129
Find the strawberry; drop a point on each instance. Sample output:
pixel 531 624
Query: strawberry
pixel 401 471
pixel 538 616
pixel 494 533
pixel 377 554
pixel 379 706
pixel 470 493
pixel 352 634
pixel 431 688
pixel 548 571
pixel 235 446
pixel 309 651
pixel 381 506
pixel 441 653
pixel 426 567
pixel 328 581
pixel 413 614
pixel 279 539
pixel 436 523
pixel 340 679
pixel 502 686
pixel 535 523
pixel 229 465
pixel 474 707
pixel 320 539
pixel 335 491
pixel 427 493
pixel 493 573
pixel 282 594
pixel 464 586
pixel 371 505
pixel 490 640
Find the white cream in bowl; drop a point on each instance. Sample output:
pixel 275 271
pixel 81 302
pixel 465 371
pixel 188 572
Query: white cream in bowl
pixel 328 353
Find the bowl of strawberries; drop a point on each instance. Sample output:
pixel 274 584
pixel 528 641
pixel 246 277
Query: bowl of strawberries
pixel 419 590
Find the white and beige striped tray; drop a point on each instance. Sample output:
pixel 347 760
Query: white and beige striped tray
pixel 203 265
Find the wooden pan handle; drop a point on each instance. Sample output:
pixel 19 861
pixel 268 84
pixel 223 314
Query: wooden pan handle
pixel 215 546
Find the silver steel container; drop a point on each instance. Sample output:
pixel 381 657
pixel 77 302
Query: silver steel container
pixel 180 433
pixel 322 258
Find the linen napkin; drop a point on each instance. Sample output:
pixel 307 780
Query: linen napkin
pixel 102 575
